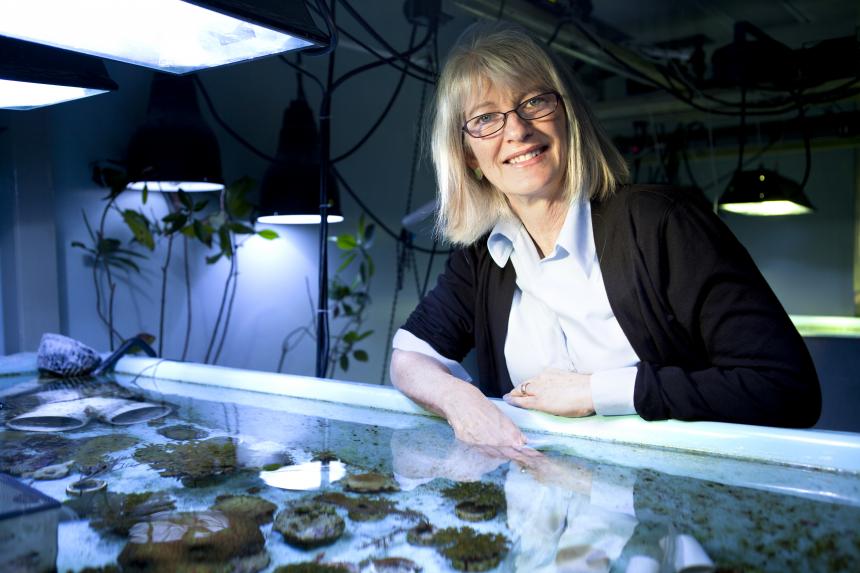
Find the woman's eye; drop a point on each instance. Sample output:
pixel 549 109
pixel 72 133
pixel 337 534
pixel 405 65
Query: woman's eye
pixel 536 101
pixel 486 118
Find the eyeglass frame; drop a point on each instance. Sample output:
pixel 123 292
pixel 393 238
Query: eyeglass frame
pixel 557 95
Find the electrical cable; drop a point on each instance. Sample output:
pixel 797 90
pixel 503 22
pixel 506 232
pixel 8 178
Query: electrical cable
pixel 376 35
pixel 328 16
pixel 375 218
pixel 303 71
pixel 382 116
pixel 400 68
pixel 376 64
pixel 247 144
pixel 323 342
pixel 670 89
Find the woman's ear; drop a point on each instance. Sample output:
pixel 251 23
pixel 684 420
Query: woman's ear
pixel 471 161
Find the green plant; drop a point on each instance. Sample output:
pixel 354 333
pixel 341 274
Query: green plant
pixel 348 302
pixel 189 219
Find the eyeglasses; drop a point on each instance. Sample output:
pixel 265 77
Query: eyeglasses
pixel 533 108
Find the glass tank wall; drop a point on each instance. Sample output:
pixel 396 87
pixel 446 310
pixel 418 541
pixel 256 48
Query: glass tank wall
pixel 214 479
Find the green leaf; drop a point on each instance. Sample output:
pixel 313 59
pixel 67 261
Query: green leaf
pixel 348 310
pixel 200 205
pixel 139 226
pixel 350 337
pixel 367 236
pixel 371 268
pixel 189 231
pixel 360 355
pixel 336 311
pixel 344 363
pixel 213 259
pixel 124 262
pixel 339 292
pixel 268 234
pixel 175 220
pixel 145 195
pixel 203 232
pixel 240 228
pixel 363 335
pixel 185 199
pixel 225 242
pixel 79 245
pixel 361 224
pixel 346 242
pixel 346 262
pixel 235 203
pixel 362 272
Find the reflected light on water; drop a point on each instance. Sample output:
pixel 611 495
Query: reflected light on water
pixel 306 476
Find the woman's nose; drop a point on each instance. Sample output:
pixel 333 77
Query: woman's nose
pixel 517 128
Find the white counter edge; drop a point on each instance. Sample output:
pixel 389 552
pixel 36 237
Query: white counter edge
pixel 839 451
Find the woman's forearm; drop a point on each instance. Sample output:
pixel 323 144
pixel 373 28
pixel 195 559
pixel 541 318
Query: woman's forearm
pixel 473 417
pixel 428 382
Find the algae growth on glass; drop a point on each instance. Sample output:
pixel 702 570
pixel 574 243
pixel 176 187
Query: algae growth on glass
pixel 224 480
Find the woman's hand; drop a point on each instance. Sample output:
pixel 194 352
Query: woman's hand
pixel 473 417
pixel 554 391
pixel 476 420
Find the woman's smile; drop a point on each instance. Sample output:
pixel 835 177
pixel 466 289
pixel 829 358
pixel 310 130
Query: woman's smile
pixel 524 160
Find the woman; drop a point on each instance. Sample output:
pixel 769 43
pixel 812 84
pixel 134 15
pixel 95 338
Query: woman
pixel 581 294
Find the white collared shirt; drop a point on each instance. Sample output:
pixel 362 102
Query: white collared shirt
pixel 560 315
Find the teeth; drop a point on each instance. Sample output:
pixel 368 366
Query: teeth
pixel 525 156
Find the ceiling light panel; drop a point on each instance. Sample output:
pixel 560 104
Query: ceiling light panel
pixel 167 35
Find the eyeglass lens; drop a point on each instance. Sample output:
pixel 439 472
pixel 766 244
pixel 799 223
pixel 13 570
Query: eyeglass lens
pixel 533 108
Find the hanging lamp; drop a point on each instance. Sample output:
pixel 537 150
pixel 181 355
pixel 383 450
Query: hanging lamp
pixel 764 192
pixel 289 193
pixel 168 35
pixel 33 75
pixel 174 148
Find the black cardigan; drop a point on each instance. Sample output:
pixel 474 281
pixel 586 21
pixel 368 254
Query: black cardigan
pixel 714 343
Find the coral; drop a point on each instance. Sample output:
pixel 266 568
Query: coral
pixel 359 508
pixel 390 565
pixel 307 524
pixel 255 508
pixel 203 542
pixel 422 535
pixel 91 455
pixel 25 452
pixel 478 501
pixel 118 512
pixel 370 482
pixel 468 550
pixel 315 567
pixel 183 432
pixel 196 463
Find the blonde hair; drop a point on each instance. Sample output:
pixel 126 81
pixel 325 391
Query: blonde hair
pixel 507 57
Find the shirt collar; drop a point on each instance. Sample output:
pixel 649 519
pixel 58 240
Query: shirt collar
pixel 574 239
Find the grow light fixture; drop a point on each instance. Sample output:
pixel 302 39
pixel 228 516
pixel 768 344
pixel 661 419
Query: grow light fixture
pixel 174 148
pixel 765 193
pixel 289 194
pixel 32 75
pixel 168 35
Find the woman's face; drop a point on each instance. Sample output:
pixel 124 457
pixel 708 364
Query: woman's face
pixel 526 159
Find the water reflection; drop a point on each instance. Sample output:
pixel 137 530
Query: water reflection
pixel 305 477
pixel 564 514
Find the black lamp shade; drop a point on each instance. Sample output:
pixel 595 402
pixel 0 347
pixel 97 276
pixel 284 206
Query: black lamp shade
pixel 174 148
pixel 764 192
pixel 289 193
pixel 27 62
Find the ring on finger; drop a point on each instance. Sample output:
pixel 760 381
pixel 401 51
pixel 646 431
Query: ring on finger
pixel 524 388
